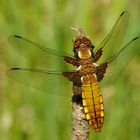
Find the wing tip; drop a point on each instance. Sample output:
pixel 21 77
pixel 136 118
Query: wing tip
pixel 14 68
pixel 17 36
pixel 11 69
pixel 10 38
pixel 124 12
pixel 135 38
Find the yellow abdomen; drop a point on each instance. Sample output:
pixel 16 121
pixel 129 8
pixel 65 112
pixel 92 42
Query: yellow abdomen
pixel 92 102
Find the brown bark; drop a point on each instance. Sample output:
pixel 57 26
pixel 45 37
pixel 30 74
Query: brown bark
pixel 80 129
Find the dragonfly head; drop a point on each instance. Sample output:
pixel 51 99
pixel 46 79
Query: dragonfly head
pixel 82 45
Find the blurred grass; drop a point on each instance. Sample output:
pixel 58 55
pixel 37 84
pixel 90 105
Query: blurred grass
pixel 31 115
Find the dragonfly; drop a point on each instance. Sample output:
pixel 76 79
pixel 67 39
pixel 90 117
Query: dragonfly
pixel 82 73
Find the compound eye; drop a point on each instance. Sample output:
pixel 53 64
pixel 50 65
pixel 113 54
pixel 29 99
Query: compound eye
pixel 74 50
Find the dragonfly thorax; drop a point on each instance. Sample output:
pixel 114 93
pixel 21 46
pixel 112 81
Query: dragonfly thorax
pixel 90 68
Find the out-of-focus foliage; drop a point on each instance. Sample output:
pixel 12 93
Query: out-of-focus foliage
pixel 31 115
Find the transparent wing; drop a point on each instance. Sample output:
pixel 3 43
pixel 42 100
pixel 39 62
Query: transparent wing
pixel 43 57
pixel 118 61
pixel 46 81
pixel 116 34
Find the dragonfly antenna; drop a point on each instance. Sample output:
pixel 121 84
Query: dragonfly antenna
pixel 79 31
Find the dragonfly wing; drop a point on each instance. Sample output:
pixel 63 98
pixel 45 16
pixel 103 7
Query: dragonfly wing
pixel 118 61
pixel 46 81
pixel 43 57
pixel 109 45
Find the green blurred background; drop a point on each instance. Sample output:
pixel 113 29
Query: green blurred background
pixel 27 114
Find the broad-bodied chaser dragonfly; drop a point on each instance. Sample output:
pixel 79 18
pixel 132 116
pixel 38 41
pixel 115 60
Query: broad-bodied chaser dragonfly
pixel 53 73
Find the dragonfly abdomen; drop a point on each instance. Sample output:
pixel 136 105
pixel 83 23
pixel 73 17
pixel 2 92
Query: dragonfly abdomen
pixel 92 102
